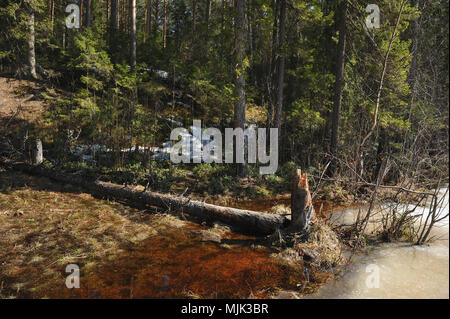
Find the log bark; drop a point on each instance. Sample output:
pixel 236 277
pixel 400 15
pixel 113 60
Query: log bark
pixel 302 210
pixel 247 221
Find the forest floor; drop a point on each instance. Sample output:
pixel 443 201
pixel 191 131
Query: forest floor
pixel 21 99
pixel 124 252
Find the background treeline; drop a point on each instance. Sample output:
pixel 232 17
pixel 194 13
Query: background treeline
pixel 352 98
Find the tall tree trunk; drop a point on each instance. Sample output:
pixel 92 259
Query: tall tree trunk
pixel 88 13
pixel 156 14
pixel 149 16
pixel 272 65
pixel 339 82
pixel 223 15
pixel 108 7
pixel 81 14
pixel 114 11
pixel 123 24
pixel 281 59
pixel 194 15
pixel 31 42
pixel 239 108
pixel 133 34
pixel 249 27
pixel 208 12
pixel 165 25
pixel 51 12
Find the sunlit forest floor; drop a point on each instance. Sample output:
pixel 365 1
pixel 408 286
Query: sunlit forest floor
pixel 125 252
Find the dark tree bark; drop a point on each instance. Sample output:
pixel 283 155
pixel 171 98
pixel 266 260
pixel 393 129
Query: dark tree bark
pixel 149 16
pixel 208 12
pixel 51 12
pixel 339 82
pixel 81 14
pixel 250 27
pixel 239 108
pixel 223 15
pixel 88 13
pixel 272 65
pixel 113 15
pixel 194 15
pixel 281 61
pixel 165 24
pixel 133 34
pixel 156 14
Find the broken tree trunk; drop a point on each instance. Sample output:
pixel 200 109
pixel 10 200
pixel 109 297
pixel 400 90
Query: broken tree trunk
pixel 301 203
pixel 38 153
pixel 245 220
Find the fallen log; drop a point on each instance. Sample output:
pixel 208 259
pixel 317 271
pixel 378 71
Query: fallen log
pixel 252 222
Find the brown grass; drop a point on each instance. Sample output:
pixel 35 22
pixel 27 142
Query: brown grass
pixel 44 226
pixel 124 252
pixel 21 98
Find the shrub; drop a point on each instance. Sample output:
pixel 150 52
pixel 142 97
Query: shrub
pixel 287 171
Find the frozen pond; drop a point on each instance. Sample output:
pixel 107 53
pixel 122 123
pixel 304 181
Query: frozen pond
pixel 404 270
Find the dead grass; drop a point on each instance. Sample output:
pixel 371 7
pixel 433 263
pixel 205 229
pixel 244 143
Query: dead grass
pixel 124 252
pixel 43 228
pixel 323 247
pixel 21 97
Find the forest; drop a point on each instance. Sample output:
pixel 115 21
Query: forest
pixel 90 91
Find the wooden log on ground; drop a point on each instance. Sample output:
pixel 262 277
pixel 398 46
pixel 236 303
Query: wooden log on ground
pixel 302 209
pixel 252 222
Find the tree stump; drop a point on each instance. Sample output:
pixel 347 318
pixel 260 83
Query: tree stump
pixel 301 203
pixel 38 153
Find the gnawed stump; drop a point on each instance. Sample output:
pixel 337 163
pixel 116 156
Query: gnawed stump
pixel 302 210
